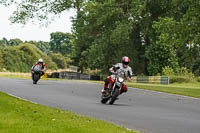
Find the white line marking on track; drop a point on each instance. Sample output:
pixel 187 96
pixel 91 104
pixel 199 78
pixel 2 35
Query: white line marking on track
pixel 21 98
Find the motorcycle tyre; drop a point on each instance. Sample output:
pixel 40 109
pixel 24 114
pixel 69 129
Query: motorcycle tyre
pixel 36 78
pixel 114 96
pixel 34 82
pixel 104 100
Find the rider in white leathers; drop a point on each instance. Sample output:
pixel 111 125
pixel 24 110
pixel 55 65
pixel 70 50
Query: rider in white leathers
pixel 128 74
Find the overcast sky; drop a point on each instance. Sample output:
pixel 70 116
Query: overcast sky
pixel 31 31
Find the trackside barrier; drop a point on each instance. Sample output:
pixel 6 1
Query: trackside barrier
pixel 74 75
pixel 137 79
pixel 151 79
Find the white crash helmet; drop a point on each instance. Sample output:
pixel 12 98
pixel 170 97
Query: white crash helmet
pixel 40 61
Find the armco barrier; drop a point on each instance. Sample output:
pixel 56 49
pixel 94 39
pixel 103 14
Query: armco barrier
pixel 151 79
pixel 69 75
pixel 74 75
pixel 95 77
pixel 137 79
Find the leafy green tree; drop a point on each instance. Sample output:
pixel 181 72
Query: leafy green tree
pixel 160 56
pixel 1 60
pixel 3 42
pixel 43 46
pixel 163 52
pixel 153 33
pixel 16 41
pixel 43 11
pixel 10 42
pixel 105 32
pixel 61 42
pixel 189 35
pixel 180 30
pixel 196 67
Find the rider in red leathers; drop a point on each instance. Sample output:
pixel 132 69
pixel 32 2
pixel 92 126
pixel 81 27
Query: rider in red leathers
pixel 109 82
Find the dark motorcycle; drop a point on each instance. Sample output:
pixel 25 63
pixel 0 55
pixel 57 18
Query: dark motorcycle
pixel 114 91
pixel 36 74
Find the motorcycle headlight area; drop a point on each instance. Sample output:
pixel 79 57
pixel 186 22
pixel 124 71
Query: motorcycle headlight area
pixel 118 84
pixel 120 79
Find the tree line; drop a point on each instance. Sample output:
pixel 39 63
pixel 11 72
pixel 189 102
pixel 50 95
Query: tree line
pixel 19 56
pixel 156 35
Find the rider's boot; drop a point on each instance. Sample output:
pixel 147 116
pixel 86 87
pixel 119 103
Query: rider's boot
pixel 105 92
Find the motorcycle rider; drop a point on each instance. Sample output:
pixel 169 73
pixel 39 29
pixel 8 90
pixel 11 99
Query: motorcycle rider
pixel 41 66
pixel 111 79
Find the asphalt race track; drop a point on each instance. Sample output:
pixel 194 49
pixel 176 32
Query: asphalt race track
pixel 146 111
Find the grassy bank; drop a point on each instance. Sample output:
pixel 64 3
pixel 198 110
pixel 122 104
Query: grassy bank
pixel 15 75
pixel 186 89
pixel 18 116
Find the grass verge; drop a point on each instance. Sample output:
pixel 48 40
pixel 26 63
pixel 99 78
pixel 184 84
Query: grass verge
pixel 186 89
pixel 16 75
pixel 18 116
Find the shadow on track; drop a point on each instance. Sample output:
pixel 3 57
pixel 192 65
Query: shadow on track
pixel 115 104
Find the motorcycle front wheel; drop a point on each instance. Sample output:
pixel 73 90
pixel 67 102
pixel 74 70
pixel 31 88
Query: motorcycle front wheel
pixel 114 96
pixel 36 78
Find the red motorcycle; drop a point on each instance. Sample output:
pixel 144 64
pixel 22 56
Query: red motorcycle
pixel 114 90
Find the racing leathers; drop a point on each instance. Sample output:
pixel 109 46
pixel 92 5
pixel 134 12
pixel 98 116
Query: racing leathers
pixel 109 82
pixel 40 68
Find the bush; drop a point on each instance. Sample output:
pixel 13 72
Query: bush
pixel 59 60
pixel 198 79
pixel 179 79
pixel 14 60
pixel 21 58
pixel 92 72
pixel 31 54
pixel 167 71
pixel 181 75
pixel 68 61
pixel 49 63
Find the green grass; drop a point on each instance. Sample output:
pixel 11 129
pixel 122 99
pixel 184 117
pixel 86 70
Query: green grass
pixel 18 116
pixel 186 89
pixel 21 76
pixel 15 75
